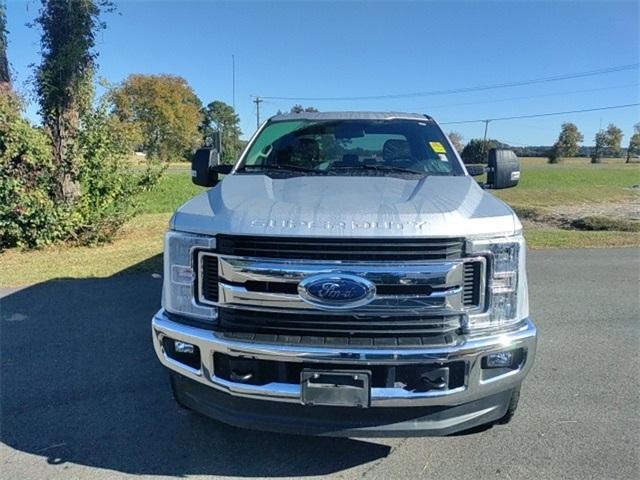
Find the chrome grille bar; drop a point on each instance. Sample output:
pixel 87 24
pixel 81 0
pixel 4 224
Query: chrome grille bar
pixel 444 282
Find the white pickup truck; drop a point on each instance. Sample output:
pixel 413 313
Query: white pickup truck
pixel 347 277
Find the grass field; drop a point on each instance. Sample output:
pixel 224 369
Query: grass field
pixel 574 183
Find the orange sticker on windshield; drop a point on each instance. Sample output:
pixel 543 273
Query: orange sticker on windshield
pixel 437 147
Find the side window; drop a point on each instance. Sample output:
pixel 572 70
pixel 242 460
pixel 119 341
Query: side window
pixel 262 147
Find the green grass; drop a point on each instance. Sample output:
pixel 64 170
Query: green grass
pixel 138 245
pixel 541 185
pixel 139 241
pixel 174 189
pixel 559 238
pixel 136 248
pixel 551 185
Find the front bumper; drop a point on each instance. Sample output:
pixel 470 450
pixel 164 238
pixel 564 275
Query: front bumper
pixel 478 388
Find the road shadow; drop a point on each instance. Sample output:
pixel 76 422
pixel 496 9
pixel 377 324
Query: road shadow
pixel 80 384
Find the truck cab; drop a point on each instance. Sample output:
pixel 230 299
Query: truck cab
pixel 347 277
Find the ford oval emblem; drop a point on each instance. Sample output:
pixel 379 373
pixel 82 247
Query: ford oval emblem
pixel 335 291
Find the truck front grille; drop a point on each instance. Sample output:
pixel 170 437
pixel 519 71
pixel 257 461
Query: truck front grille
pixel 322 325
pixel 208 278
pixel 256 292
pixel 341 248
pixel 208 289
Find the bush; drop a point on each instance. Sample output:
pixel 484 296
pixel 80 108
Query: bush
pixel 29 216
pixel 554 154
pixel 477 150
pixel 107 180
pixel 597 222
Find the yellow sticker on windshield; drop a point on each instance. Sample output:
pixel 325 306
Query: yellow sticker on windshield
pixel 437 147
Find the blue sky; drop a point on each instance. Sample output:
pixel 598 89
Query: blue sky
pixel 322 49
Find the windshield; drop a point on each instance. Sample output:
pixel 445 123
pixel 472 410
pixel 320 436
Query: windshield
pixel 352 147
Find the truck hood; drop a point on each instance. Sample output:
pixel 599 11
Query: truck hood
pixel 335 206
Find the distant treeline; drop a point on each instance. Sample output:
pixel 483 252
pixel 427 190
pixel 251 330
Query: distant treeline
pixel 545 150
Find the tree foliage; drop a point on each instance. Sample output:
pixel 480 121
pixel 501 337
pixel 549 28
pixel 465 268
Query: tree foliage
pixel 165 109
pixel 607 142
pixel 614 139
pixel 567 143
pixel 30 214
pixel 220 117
pixel 108 180
pixel 64 79
pixel 5 76
pixel 456 140
pixel 634 142
pixel 70 180
pixel 477 150
pixel 300 109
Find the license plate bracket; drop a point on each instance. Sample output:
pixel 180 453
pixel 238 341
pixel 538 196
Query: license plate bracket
pixel 338 388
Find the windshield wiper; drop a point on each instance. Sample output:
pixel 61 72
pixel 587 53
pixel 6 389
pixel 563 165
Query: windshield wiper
pixel 379 168
pixel 290 168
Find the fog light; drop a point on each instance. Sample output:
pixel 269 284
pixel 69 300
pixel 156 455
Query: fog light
pixel 499 359
pixel 183 347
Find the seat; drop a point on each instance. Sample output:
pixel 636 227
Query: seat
pixel 395 149
pixel 305 152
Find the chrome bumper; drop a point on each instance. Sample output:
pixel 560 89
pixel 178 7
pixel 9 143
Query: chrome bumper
pixel 470 350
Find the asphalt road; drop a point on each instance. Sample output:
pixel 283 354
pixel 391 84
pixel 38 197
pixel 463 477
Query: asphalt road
pixel 82 395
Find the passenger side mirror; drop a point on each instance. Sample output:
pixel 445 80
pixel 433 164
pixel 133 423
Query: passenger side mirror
pixel 503 169
pixel 205 167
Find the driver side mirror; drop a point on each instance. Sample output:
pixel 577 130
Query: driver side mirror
pixel 503 169
pixel 205 167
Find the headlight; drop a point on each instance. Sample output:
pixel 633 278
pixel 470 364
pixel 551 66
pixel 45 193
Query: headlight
pixel 178 293
pixel 507 300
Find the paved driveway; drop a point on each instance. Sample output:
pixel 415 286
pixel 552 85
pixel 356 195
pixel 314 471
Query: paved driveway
pixel 84 397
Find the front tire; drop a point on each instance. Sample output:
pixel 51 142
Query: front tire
pixel 511 409
pixel 176 392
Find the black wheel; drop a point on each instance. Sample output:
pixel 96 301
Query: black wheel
pixel 513 406
pixel 176 392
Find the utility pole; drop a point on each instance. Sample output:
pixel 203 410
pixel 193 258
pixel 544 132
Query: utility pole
pixel 258 101
pixel 484 141
pixel 233 75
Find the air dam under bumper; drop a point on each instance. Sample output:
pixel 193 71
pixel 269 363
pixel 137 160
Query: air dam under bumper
pixel 483 398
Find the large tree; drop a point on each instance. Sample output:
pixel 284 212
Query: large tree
pixel 476 151
pixel 634 142
pixel 456 140
pixel 5 77
pixel 64 78
pixel 614 136
pixel 165 109
pixel 607 142
pixel 567 143
pixel 220 117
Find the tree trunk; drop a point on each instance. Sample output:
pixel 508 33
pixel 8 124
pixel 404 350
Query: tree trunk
pixel 5 75
pixel 67 185
pixel 595 156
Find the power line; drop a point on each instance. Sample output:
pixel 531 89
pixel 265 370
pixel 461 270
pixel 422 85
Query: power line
pixel 499 100
pixel 553 78
pixel 535 115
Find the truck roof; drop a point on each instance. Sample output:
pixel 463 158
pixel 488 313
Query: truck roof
pixel 327 116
